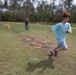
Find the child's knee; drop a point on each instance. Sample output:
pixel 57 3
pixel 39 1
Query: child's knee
pixel 65 48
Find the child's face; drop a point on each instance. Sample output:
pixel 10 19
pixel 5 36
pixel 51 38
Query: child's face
pixel 66 19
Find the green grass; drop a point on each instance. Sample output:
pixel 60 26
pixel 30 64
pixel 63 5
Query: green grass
pixel 16 59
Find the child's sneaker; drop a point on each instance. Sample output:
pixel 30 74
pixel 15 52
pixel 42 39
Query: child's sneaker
pixel 51 53
pixel 56 52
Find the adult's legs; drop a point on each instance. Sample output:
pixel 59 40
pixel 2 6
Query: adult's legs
pixel 26 27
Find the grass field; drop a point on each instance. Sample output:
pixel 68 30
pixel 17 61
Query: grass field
pixel 17 59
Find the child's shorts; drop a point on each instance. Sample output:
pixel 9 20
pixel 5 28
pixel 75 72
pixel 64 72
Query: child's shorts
pixel 62 44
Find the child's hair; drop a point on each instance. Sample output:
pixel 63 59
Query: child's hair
pixel 66 14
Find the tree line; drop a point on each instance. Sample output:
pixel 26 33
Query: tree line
pixel 36 10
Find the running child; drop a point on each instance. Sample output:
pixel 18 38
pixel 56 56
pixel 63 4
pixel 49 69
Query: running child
pixel 61 30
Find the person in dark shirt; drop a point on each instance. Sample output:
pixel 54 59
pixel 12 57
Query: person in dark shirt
pixel 26 24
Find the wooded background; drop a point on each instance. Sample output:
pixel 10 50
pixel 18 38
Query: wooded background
pixel 36 10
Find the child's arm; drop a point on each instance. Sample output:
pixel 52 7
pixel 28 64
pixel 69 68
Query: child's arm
pixel 49 33
pixel 53 29
pixel 69 29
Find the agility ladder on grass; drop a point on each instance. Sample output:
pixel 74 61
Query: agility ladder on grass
pixel 32 41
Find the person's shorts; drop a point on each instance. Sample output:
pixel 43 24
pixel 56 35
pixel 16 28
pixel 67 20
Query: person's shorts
pixel 62 44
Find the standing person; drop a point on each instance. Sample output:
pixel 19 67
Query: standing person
pixel 26 24
pixel 61 30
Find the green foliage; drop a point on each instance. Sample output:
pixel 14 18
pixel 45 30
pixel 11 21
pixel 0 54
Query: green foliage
pixel 18 10
pixel 5 16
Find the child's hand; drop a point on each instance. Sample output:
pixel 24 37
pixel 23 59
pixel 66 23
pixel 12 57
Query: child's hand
pixel 67 31
pixel 48 35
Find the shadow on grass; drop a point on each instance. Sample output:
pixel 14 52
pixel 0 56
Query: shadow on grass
pixel 43 65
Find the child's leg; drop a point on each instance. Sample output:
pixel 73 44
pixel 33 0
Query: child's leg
pixel 61 47
pixel 54 51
